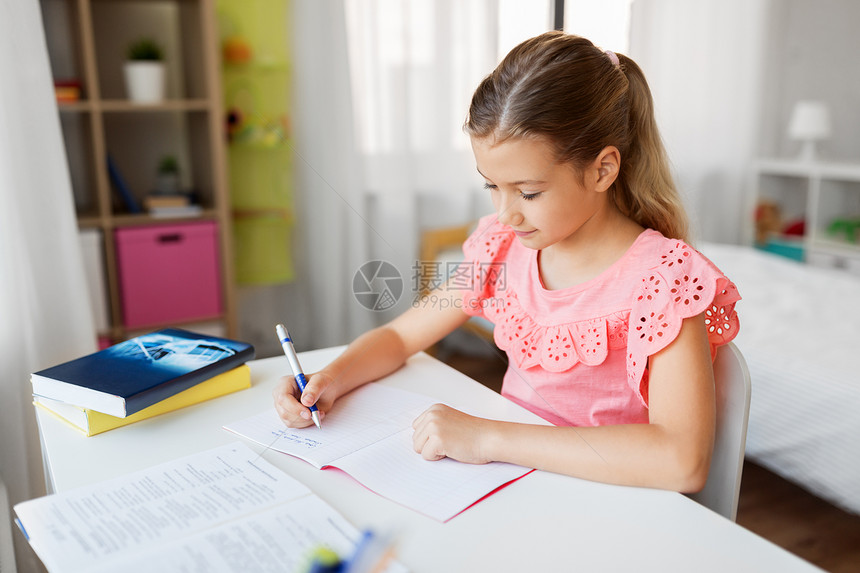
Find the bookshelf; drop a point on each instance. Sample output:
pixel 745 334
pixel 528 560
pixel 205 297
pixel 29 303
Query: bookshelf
pixel 819 193
pixel 87 43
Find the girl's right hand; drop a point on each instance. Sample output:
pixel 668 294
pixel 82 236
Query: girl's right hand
pixel 292 405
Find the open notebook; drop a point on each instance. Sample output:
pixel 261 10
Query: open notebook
pixel 368 435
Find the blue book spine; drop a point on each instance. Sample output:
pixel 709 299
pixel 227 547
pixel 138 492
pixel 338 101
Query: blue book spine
pixel 130 202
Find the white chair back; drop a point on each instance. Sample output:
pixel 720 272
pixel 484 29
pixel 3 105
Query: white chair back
pixel 733 386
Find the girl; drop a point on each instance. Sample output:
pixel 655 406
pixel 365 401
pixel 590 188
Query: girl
pixel 609 319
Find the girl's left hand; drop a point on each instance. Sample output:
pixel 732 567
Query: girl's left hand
pixel 442 431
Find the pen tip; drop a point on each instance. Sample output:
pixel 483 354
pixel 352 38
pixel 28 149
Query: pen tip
pixel 316 418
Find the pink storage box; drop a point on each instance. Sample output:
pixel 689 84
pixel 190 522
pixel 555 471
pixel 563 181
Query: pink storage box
pixel 168 273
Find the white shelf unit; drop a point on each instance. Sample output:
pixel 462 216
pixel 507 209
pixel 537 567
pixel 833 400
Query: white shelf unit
pixel 817 192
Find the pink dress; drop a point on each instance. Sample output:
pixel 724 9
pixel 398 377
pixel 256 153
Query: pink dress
pixel 578 356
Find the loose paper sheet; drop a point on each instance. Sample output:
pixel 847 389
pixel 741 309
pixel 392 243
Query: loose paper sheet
pixel 207 511
pixel 278 539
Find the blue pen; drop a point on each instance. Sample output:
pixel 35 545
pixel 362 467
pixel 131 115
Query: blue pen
pixel 287 344
pixel 372 553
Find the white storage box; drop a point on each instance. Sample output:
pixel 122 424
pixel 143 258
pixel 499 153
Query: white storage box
pixel 94 267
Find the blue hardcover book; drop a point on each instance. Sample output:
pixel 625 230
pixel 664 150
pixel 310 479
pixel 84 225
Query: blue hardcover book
pixel 132 375
pixel 130 202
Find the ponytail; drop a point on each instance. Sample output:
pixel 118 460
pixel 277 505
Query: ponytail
pixel 645 190
pixel 580 99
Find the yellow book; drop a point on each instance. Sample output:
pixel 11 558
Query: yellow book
pixel 91 422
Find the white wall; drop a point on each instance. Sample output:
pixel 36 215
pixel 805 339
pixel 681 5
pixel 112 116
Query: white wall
pixel 812 54
pixel 703 61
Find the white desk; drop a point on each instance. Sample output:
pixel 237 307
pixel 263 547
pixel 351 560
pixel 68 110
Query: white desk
pixel 543 521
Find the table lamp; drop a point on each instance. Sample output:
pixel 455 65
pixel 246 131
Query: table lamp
pixel 810 122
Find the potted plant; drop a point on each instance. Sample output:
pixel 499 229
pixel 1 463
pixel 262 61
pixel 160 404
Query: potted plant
pixel 144 71
pixel 167 181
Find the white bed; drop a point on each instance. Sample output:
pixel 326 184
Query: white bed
pixel 800 334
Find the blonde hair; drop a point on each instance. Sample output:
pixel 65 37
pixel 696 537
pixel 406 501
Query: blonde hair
pixel 563 89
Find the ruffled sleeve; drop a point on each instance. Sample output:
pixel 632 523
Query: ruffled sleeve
pixel 483 270
pixel 684 284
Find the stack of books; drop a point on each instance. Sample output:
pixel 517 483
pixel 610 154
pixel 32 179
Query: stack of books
pixel 171 205
pixel 142 377
pixel 67 91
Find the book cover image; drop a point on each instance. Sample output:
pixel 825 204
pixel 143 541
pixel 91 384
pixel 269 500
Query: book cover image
pixel 140 371
pixel 173 352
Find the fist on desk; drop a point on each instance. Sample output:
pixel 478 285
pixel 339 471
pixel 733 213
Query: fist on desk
pixel 292 405
pixel 442 431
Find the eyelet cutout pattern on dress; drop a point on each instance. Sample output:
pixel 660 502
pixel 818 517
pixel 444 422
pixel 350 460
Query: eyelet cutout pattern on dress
pixel 681 287
pixel 721 320
pixel 556 348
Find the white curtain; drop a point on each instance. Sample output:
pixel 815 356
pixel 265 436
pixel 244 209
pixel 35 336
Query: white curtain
pixel 382 90
pixel 328 182
pixel 45 316
pixel 705 63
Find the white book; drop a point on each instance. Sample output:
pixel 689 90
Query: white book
pixel 221 510
pixel 368 435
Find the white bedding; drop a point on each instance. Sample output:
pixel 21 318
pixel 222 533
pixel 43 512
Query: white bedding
pixel 800 334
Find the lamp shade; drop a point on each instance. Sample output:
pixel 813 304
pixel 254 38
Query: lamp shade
pixel 810 120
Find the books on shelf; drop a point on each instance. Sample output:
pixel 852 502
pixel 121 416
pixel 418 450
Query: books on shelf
pixel 122 187
pixel 167 212
pixel 220 510
pixel 91 422
pixel 368 435
pixel 160 200
pixel 127 377
pixel 67 91
pixel 164 205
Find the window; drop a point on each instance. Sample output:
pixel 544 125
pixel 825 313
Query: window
pixel 414 65
pixel 604 22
